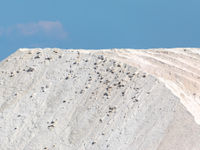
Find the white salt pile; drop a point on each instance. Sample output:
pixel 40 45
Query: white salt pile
pixel 100 100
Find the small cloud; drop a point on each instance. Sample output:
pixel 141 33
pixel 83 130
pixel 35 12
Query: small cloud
pixel 28 29
pixel 41 28
pixel 48 28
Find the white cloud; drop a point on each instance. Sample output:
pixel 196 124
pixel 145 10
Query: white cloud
pixel 48 28
pixel 41 28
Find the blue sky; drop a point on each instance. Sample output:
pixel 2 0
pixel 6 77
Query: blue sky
pixel 96 24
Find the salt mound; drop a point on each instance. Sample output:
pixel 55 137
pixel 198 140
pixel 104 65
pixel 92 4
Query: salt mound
pixel 107 99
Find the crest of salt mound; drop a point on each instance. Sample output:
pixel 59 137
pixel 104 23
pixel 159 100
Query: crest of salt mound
pixel 79 99
pixel 178 68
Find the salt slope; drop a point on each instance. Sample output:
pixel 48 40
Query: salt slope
pixel 178 68
pixel 78 99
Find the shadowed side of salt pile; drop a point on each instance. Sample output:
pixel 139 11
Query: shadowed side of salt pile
pixel 85 100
